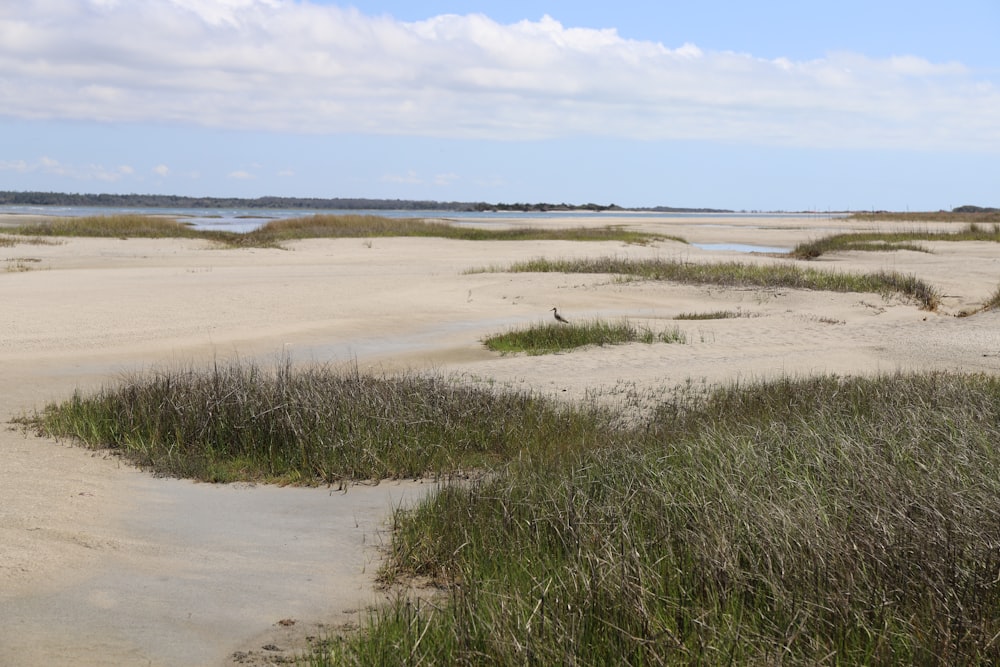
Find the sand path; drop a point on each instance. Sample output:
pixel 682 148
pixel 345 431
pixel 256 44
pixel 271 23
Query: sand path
pixel 102 564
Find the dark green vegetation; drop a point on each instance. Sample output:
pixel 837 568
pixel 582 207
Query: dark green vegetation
pixel 273 233
pixel 551 338
pixel 309 426
pixel 820 521
pixel 798 521
pixel 739 274
pixel 903 240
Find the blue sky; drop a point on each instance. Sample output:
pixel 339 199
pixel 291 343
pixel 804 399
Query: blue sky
pixel 748 106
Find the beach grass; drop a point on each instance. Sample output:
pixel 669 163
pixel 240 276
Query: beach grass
pixel 553 338
pixel 797 522
pixel 897 240
pixel 739 274
pixel 275 232
pixel 372 226
pixel 800 521
pixel 126 225
pixel 315 425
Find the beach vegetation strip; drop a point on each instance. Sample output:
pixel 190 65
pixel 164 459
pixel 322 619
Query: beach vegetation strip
pixel 244 422
pixel 898 240
pixel 275 232
pixel 553 338
pixel 849 520
pixel 738 274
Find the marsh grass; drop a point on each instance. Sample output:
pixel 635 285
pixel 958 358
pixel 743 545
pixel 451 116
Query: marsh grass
pixel 739 274
pixel 901 240
pixel 553 338
pixel 112 226
pixel 275 232
pixel 797 522
pixel 809 521
pixel 241 421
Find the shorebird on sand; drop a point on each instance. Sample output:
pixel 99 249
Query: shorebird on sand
pixel 559 318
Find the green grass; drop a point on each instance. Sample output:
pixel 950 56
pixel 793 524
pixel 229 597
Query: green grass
pixel 240 421
pixel 821 520
pixel 113 226
pixel 275 232
pixel 552 338
pixel 796 522
pixel 739 274
pixel 902 240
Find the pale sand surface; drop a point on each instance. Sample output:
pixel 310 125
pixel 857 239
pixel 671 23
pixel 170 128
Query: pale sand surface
pixel 102 564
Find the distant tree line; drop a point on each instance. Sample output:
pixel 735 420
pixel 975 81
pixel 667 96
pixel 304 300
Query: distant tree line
pixel 306 203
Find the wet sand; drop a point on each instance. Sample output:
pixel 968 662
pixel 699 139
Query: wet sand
pixel 103 564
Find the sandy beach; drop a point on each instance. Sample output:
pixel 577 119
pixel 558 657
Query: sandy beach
pixel 102 564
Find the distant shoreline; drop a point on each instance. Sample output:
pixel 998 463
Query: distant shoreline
pixel 9 198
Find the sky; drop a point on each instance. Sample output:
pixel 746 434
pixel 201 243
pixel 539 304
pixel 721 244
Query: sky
pixel 767 105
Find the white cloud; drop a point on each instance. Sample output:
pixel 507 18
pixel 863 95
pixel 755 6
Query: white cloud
pixel 241 175
pixel 297 66
pixel 79 172
pixel 161 170
pixel 409 178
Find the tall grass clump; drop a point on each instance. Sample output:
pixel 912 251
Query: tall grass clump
pixel 740 274
pixel 798 522
pixel 241 421
pixel 552 338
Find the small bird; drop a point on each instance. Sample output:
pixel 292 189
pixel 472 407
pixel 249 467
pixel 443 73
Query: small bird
pixel 559 318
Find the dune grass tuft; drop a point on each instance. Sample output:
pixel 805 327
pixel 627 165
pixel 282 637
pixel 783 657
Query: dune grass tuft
pixel 901 240
pixel 241 421
pixel 739 274
pixel 552 338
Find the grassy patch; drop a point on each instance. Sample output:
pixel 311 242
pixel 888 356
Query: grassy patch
pixel 316 425
pixel 797 521
pixel 371 226
pixel 552 338
pixel 903 240
pixel 739 274
pixel 273 233
pixel 818 521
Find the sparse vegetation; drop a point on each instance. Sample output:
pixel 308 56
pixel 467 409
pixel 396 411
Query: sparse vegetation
pixel 713 315
pixel 273 233
pixel 739 274
pixel 901 240
pixel 551 338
